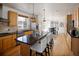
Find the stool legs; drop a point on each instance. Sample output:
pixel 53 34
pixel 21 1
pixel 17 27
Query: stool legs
pixel 30 52
pixel 39 54
pixel 48 51
pixel 45 52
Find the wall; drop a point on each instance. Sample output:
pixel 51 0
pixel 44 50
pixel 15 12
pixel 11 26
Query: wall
pixel 58 18
pixel 50 15
pixel 6 9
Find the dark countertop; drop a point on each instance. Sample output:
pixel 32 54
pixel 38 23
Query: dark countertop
pixel 33 40
pixel 73 36
pixel 6 34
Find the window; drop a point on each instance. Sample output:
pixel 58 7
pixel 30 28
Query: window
pixel 23 23
pixel 20 23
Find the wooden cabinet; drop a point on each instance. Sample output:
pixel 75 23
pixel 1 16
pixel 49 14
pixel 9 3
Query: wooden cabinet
pixel 0 46
pixel 75 46
pixel 12 17
pixel 15 51
pixel 69 23
pixel 13 43
pixel 25 50
pixel 8 41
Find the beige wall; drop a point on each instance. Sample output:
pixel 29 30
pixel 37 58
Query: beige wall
pixel 6 9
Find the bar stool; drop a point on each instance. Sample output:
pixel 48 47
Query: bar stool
pixel 40 47
pixel 49 38
pixel 51 44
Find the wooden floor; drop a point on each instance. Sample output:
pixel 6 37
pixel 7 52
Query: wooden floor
pixel 62 45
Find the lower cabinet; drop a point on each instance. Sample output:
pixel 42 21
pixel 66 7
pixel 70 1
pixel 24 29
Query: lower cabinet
pixel 25 50
pixel 0 46
pixel 7 42
pixel 15 51
pixel 75 46
pixel 8 47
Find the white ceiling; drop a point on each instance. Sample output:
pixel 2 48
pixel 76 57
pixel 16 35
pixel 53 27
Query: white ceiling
pixel 51 8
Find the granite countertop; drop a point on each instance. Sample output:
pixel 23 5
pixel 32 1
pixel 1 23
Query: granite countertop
pixel 73 36
pixel 5 33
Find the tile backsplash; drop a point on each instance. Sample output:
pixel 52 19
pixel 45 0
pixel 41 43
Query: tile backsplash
pixel 5 27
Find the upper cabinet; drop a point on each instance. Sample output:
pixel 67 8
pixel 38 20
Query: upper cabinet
pixel 12 17
pixel 69 23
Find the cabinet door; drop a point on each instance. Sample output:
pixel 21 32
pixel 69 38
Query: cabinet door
pixel 75 45
pixel 15 51
pixel 0 46
pixel 13 43
pixel 69 23
pixel 25 50
pixel 8 42
pixel 12 16
pixel 0 43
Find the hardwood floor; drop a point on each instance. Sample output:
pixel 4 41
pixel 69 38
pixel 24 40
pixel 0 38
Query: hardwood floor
pixel 62 45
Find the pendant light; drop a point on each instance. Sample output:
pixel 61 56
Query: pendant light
pixel 33 17
pixel 44 16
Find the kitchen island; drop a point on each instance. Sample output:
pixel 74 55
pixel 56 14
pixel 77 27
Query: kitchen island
pixel 8 44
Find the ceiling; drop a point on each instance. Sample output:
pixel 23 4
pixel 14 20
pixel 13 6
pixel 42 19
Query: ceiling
pixel 50 8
